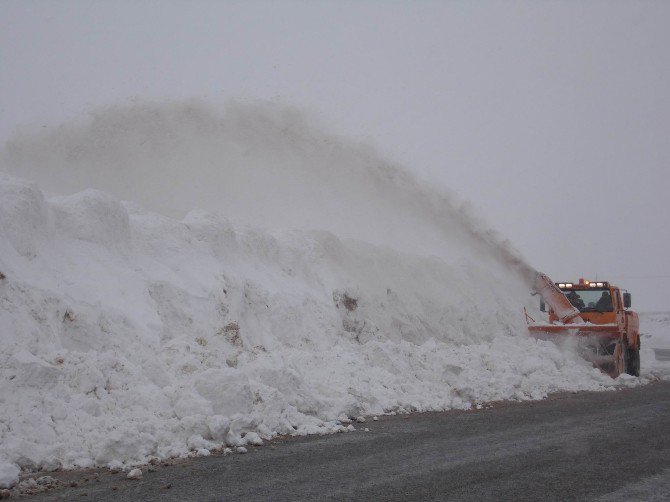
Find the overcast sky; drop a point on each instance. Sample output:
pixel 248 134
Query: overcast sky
pixel 553 118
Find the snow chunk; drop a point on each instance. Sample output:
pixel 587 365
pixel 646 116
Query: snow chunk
pixel 92 216
pixel 33 371
pixel 226 390
pixel 24 214
pixel 9 474
pixel 135 474
pixel 218 426
pixel 253 438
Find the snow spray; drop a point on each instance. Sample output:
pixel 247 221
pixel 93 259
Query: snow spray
pixel 261 164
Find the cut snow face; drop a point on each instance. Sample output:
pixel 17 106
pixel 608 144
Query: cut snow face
pixel 128 335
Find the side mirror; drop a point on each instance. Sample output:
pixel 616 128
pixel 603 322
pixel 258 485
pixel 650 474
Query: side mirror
pixel 626 300
pixel 542 307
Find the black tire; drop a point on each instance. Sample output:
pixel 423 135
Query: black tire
pixel 633 362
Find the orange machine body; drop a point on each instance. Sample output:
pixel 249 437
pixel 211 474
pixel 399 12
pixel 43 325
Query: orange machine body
pixel 597 312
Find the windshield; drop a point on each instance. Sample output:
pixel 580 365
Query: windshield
pixel 590 300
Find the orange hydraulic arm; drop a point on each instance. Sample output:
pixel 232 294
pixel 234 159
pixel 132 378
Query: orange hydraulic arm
pixel 557 301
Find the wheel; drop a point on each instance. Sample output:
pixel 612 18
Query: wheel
pixel 633 362
pixel 631 358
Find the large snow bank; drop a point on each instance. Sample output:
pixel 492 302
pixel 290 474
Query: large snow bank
pixel 126 334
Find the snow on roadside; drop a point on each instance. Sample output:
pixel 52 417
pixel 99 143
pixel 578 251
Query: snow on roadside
pixel 655 344
pixel 127 335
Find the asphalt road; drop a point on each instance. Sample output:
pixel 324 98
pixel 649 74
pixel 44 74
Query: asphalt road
pixel 586 446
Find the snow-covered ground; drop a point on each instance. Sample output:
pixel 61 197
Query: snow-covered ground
pixel 655 344
pixel 128 335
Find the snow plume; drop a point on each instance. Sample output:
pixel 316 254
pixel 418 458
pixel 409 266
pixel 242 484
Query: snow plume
pixel 262 164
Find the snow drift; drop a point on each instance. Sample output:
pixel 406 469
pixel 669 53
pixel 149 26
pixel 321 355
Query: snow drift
pixel 127 334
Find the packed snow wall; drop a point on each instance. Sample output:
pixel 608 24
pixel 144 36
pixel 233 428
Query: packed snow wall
pixel 129 334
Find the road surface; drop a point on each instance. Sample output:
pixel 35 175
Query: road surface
pixel 606 446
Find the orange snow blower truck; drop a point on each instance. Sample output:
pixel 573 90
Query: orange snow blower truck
pixel 596 314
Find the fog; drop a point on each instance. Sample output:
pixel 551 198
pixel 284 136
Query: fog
pixel 550 118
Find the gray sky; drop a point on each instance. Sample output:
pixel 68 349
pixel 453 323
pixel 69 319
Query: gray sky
pixel 551 117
